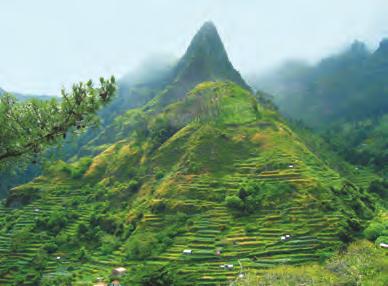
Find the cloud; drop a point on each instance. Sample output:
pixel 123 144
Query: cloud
pixel 48 44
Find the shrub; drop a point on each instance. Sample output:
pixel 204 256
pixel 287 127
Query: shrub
pixel 82 254
pixel 63 280
pixel 159 175
pixel 234 202
pixel 382 239
pixel 141 248
pixel 160 277
pixel 50 247
pixel 361 264
pixel 53 223
pixel 380 188
pixel 18 238
pixel 250 228
pixel 133 186
pixel 159 206
pixel 108 223
pixel 109 244
pixel 373 231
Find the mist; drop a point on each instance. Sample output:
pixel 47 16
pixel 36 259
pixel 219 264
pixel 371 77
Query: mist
pixel 47 45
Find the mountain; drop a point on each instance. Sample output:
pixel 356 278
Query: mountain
pixel 205 59
pixel 348 86
pixel 163 80
pixel 344 97
pixel 199 177
pixel 24 96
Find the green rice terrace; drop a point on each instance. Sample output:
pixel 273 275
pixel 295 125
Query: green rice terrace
pixel 210 187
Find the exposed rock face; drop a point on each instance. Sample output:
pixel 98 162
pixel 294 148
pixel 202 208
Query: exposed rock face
pixel 205 59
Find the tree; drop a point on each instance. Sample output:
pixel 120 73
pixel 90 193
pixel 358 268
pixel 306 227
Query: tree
pixel 160 277
pixel 28 127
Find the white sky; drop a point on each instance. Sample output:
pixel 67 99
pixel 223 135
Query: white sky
pixel 47 44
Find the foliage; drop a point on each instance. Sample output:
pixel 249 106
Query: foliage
pixel 234 202
pixel 361 142
pixel 160 277
pixel 346 86
pixel 380 188
pixel 62 280
pixel 75 171
pixel 54 222
pixel 342 97
pixel 374 230
pixel 361 264
pixel 141 248
pixel 28 127
pixel 82 254
pixel 238 155
pixel 18 238
pixel 107 222
pixel 253 196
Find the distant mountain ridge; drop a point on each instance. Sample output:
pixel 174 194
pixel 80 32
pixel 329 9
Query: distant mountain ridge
pixel 24 96
pixel 351 85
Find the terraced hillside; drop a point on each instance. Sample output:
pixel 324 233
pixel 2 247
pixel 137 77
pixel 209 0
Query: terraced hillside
pixel 214 173
pixel 200 184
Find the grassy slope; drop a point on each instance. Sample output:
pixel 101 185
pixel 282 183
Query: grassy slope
pixel 361 264
pixel 187 158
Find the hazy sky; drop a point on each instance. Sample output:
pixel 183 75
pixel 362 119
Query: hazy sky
pixel 47 44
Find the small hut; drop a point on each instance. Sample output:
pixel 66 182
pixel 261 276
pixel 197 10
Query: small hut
pixel 187 251
pixel 119 271
pixel 383 245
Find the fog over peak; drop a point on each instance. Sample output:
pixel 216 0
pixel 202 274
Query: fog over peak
pixel 49 44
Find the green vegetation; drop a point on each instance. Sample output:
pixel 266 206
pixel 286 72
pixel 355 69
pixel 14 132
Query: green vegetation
pixel 253 196
pixel 202 176
pixel 348 86
pixel 343 98
pixel 28 127
pixel 361 264
pixel 361 142
pixel 220 178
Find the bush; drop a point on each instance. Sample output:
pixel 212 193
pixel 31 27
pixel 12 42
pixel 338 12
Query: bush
pixel 108 223
pixel 75 170
pixel 250 228
pixel 255 195
pixel 234 202
pixel 18 238
pixel 160 277
pixel 53 223
pixel 361 264
pixel 63 280
pixel 152 276
pixel 82 254
pixel 159 175
pixel 141 248
pixel 109 244
pixel 380 188
pixel 50 247
pixel 133 186
pixel 374 230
